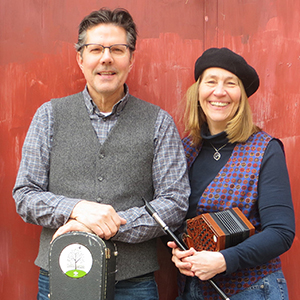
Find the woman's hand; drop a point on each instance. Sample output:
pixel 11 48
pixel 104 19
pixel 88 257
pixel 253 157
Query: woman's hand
pixel 178 256
pixel 206 264
pixel 203 264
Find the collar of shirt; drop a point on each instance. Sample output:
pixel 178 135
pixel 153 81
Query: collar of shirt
pixel 93 109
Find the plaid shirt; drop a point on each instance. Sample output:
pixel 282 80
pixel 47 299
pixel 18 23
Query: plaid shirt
pixel 37 205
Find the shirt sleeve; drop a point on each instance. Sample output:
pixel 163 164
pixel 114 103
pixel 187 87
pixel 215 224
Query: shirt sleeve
pixel 171 187
pixel 34 203
pixel 276 213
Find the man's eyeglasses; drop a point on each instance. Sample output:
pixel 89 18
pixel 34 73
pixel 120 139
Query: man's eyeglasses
pixel 115 50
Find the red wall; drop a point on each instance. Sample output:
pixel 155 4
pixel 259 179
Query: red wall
pixel 37 62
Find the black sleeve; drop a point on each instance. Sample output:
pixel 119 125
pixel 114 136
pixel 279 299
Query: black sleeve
pixel 276 213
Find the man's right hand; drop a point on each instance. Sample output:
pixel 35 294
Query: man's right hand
pixel 71 225
pixel 101 219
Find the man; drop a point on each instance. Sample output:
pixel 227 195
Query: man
pixel 89 158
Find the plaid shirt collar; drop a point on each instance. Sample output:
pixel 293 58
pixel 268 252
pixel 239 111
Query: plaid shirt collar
pixel 93 109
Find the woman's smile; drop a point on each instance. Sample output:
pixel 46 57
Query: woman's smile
pixel 219 97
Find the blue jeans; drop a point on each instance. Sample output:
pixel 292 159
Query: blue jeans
pixel 271 287
pixel 140 288
pixel 43 285
pixel 144 288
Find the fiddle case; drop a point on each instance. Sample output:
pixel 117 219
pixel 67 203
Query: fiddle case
pixel 82 266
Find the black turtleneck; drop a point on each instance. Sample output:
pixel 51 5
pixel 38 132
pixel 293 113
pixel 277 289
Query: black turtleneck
pixel 205 167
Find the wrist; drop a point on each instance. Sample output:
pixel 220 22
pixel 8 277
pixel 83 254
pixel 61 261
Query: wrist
pixel 222 263
pixel 76 210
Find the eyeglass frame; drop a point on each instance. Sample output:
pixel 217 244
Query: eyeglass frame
pixel 104 47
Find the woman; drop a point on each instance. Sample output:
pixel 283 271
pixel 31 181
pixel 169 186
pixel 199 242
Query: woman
pixel 233 163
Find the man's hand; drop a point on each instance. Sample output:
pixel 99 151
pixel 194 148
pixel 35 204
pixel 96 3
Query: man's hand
pixel 100 219
pixel 71 225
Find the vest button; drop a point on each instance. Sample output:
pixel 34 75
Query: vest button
pixel 100 178
pixel 101 156
pixel 99 199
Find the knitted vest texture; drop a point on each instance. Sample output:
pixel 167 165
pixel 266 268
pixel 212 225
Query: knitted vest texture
pixel 236 186
pixel 118 172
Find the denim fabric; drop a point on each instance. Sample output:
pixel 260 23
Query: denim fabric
pixel 43 285
pixel 271 287
pixel 137 289
pixel 140 288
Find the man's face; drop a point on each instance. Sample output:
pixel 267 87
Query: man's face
pixel 105 72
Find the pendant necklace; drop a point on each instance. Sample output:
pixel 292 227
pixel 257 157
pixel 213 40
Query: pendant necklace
pixel 217 155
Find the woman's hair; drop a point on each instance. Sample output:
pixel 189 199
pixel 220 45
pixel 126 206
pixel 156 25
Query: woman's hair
pixel 118 17
pixel 238 129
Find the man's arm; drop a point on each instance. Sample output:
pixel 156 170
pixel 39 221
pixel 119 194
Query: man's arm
pixel 35 204
pixel 171 187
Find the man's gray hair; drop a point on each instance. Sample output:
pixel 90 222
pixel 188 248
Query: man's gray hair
pixel 119 17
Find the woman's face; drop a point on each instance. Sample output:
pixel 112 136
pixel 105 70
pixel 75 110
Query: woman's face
pixel 219 97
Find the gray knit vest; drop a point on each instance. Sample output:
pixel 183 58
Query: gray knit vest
pixel 118 173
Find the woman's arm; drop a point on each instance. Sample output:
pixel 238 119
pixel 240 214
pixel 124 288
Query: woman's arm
pixel 276 213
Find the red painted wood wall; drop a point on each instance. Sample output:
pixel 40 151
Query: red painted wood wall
pixel 37 62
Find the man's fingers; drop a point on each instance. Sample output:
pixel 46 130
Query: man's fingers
pixel 104 231
pixel 123 221
pixel 71 225
pixel 102 219
pixel 108 226
pixel 107 229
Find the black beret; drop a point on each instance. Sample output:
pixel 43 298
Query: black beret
pixel 230 61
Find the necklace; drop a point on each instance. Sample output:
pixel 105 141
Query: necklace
pixel 217 155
